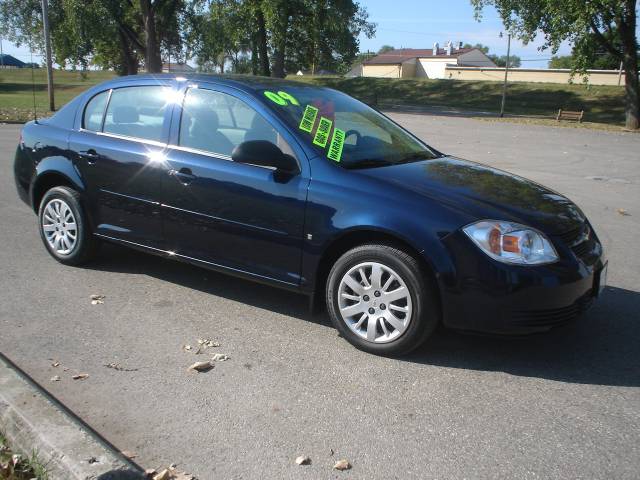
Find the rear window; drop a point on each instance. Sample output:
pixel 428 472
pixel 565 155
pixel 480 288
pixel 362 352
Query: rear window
pixel 94 112
pixel 137 112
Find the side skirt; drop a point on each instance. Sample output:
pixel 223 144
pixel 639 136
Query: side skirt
pixel 207 265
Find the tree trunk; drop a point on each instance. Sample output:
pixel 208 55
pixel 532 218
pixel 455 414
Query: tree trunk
pixel 630 60
pixel 129 61
pixel 254 55
pixel 280 41
pixel 152 47
pixel 262 43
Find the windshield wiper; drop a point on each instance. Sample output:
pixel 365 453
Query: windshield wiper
pixel 415 156
pixel 368 162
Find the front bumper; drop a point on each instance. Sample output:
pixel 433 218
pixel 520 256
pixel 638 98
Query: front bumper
pixel 487 296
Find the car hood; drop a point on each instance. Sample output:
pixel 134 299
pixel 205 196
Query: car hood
pixel 483 192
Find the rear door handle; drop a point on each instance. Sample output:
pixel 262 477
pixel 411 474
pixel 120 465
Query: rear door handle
pixel 91 155
pixel 185 175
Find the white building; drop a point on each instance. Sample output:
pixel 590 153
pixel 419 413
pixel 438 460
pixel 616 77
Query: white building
pixel 425 63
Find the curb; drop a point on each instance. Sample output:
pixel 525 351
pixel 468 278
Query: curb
pixel 34 421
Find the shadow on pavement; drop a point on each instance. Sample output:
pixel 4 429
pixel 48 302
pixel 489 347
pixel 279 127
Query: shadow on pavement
pixel 601 348
pixel 122 475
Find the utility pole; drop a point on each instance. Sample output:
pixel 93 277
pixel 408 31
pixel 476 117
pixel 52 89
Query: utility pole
pixel 506 73
pixel 620 72
pixel 1 55
pixel 47 43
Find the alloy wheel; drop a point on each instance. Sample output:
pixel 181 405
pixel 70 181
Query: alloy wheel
pixel 59 226
pixel 374 302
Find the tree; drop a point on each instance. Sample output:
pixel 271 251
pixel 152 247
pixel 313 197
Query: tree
pixel 110 33
pixel 589 54
pixel 385 49
pixel 611 23
pixel 501 61
pixel 484 49
pixel 565 61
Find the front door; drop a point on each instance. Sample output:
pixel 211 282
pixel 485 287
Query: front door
pixel 242 217
pixel 122 137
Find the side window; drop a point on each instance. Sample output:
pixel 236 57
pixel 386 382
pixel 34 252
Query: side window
pixel 217 122
pixel 94 112
pixel 138 112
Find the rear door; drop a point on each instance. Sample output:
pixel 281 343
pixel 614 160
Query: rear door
pixel 120 143
pixel 243 217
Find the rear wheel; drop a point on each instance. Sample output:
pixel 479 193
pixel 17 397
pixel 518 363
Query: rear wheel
pixel 63 227
pixel 381 301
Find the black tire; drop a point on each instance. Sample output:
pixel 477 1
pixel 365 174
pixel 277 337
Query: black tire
pixel 86 245
pixel 425 315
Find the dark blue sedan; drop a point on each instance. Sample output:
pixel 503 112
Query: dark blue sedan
pixel 308 189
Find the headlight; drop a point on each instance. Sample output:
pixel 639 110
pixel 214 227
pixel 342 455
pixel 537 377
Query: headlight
pixel 511 243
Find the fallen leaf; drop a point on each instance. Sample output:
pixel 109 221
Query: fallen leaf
pixel 211 343
pixel 55 364
pixel 187 347
pixel 342 465
pixel 623 212
pixel 15 459
pixel 55 378
pixel 97 299
pixel 80 376
pixel 331 452
pixel 220 357
pixel 129 454
pixel 150 471
pixel 92 460
pixel 163 475
pixel 303 460
pixel 201 366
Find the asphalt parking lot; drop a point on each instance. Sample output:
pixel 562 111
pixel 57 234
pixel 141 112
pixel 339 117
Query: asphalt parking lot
pixel 562 405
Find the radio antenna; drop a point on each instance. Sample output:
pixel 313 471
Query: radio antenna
pixel 33 84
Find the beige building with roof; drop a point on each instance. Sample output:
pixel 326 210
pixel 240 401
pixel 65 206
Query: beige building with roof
pixel 419 62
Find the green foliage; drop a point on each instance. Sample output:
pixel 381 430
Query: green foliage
pixel 484 49
pixel 501 61
pixel 385 49
pixel 605 25
pixel 564 61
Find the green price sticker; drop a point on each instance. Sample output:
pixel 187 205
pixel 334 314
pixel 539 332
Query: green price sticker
pixel 281 98
pixel 288 96
pixel 322 133
pixel 308 118
pixel 337 142
pixel 274 97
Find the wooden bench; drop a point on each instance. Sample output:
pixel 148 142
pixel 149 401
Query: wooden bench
pixel 569 115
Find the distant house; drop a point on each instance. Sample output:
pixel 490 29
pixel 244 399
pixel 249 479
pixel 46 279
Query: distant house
pixel 425 63
pixel 8 61
pixel 177 68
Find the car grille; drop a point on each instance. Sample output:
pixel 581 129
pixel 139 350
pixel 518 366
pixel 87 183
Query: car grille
pixel 581 240
pixel 554 316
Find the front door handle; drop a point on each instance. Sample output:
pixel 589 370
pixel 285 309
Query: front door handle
pixel 90 155
pixel 184 175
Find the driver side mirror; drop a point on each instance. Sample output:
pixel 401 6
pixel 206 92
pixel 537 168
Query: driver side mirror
pixel 266 154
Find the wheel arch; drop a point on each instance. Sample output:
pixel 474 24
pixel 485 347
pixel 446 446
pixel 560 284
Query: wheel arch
pixel 48 179
pixel 361 236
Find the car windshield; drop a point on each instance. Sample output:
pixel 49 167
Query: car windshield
pixel 345 130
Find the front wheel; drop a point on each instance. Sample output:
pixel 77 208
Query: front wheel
pixel 381 301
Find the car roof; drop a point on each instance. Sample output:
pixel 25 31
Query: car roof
pixel 243 82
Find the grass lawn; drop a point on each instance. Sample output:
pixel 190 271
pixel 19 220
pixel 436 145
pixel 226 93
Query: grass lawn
pixel 16 94
pixel 602 104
